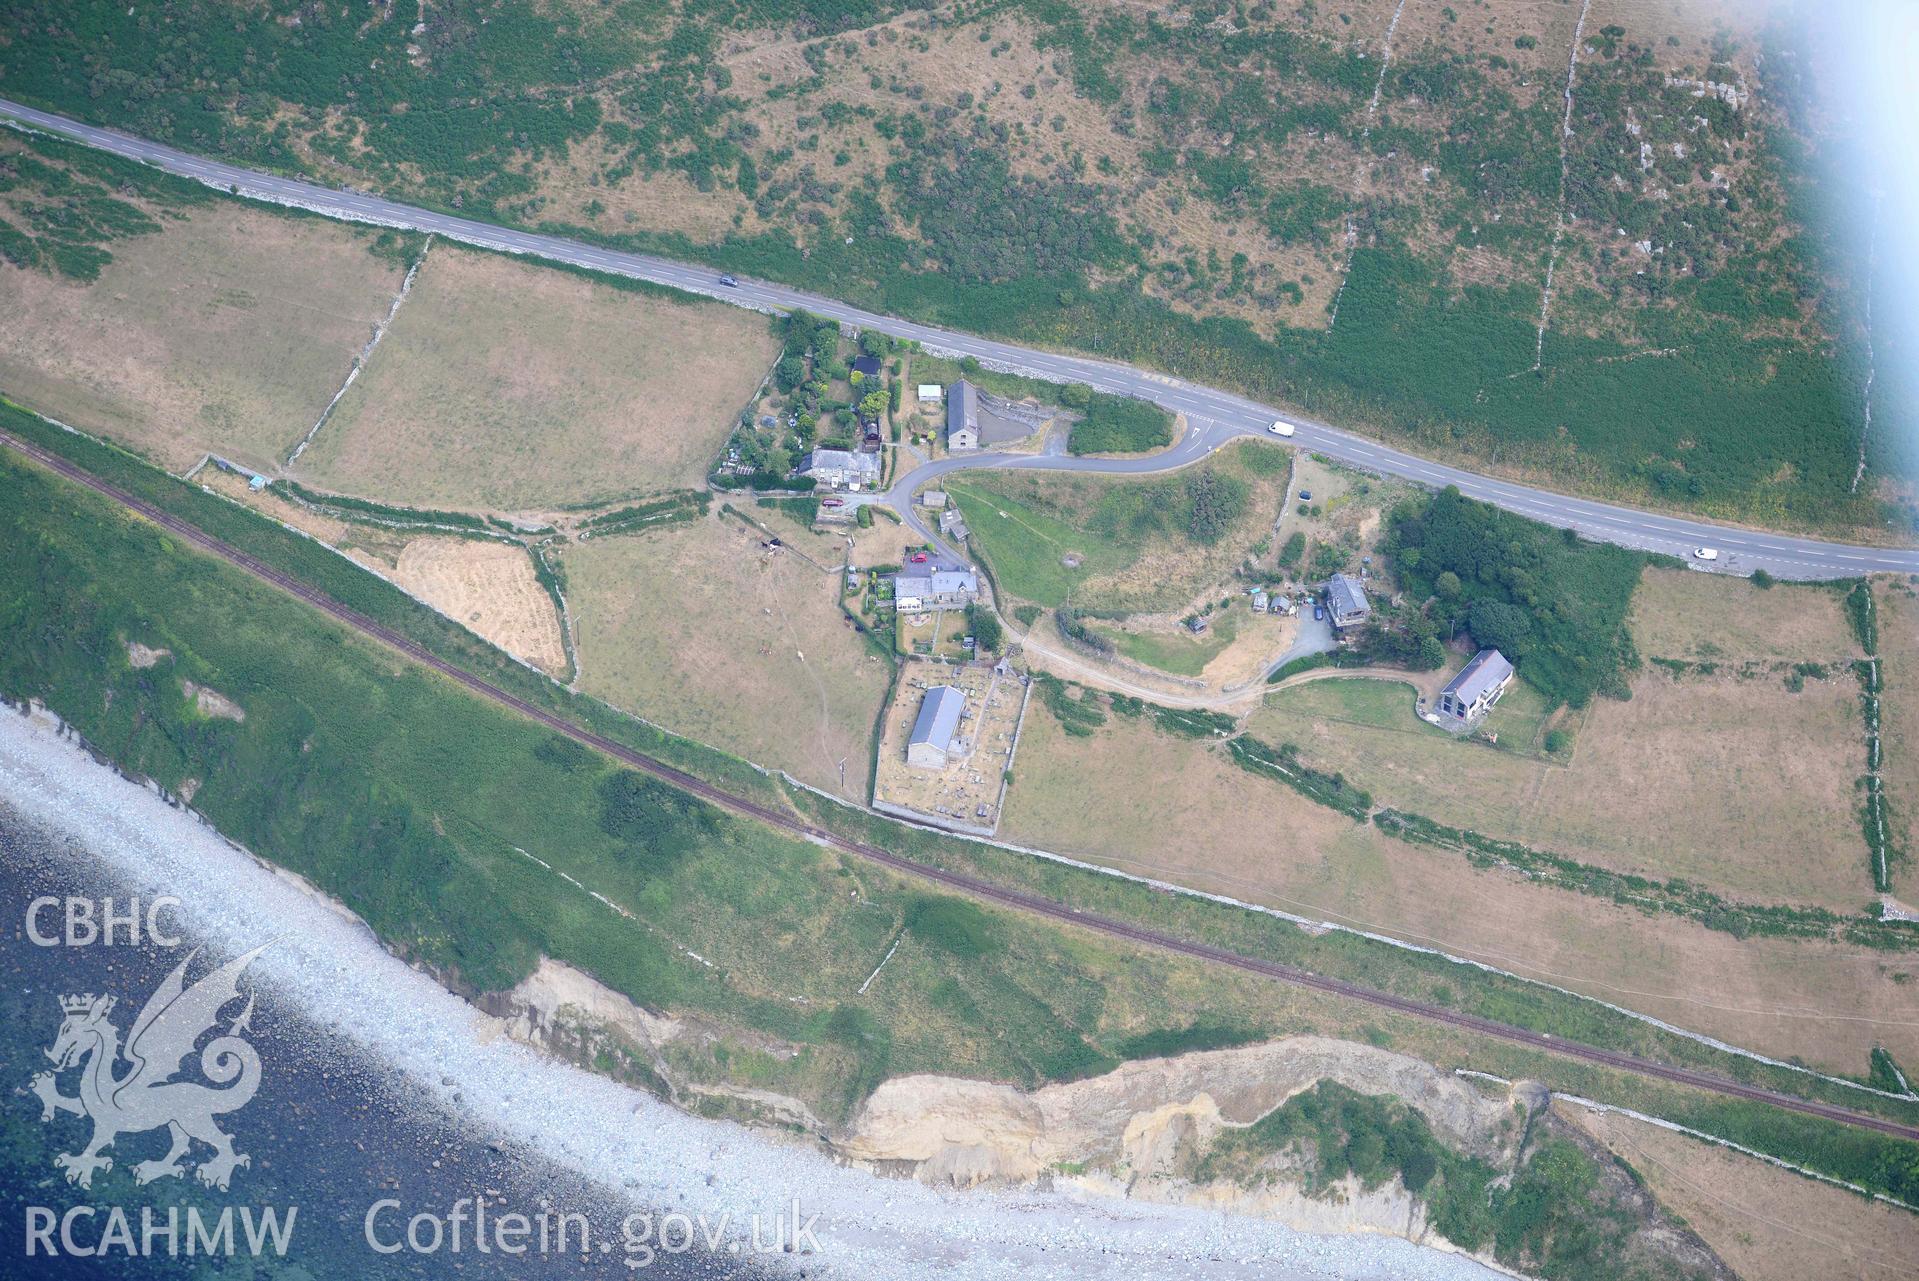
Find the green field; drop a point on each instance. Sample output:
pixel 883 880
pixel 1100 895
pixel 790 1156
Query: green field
pixel 1027 549
pixel 1180 655
pixel 1139 545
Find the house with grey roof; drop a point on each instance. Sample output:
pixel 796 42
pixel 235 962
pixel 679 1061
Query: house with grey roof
pixel 1346 602
pixel 935 737
pixel 841 469
pixel 1471 694
pixel 940 589
pixel 962 416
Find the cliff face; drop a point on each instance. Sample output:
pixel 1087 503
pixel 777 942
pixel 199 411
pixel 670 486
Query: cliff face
pixel 1136 1131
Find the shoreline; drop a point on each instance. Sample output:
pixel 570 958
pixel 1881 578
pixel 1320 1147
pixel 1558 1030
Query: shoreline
pixel 330 965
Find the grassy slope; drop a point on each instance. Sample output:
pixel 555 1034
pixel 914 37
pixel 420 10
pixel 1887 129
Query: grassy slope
pixel 1138 995
pixel 1182 656
pixel 1134 538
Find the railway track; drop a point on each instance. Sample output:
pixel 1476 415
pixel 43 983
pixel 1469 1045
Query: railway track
pixel 960 883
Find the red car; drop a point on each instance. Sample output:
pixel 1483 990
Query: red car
pixel 832 502
pixel 919 558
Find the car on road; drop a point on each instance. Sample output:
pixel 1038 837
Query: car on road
pixel 919 558
pixel 730 282
pixel 1281 427
pixel 1319 613
pixel 832 502
pixel 1705 553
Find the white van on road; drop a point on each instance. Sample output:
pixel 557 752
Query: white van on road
pixel 1281 427
pixel 1705 553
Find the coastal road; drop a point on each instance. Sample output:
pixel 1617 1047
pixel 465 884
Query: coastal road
pixel 787 821
pixel 1216 417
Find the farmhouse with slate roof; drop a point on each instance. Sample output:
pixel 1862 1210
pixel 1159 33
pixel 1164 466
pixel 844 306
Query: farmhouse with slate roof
pixel 1346 601
pixel 1480 683
pixel 962 416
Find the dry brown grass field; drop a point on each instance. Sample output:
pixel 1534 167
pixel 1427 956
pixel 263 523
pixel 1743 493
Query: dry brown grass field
pixel 1677 613
pixel 1728 779
pixel 1733 783
pixel 1899 724
pixel 1343 521
pixel 226 332
pixel 1768 1224
pixel 488 587
pixel 698 629
pixel 507 386
pixel 1152 804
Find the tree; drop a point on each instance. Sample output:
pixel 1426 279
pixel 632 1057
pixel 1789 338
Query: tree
pixel 779 461
pixel 873 404
pixel 1430 656
pixel 1076 396
pixel 791 372
pixel 1501 626
pixel 985 626
pixel 1447 585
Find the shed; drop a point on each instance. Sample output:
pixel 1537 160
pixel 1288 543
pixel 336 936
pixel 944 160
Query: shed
pixel 867 367
pixel 931 392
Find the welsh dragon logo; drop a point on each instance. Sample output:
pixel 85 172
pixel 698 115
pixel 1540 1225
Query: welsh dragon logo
pixel 145 1095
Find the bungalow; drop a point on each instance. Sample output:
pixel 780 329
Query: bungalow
pixel 867 367
pixel 1346 601
pixel 1480 684
pixel 935 737
pixel 962 417
pixel 1259 602
pixel 840 469
pixel 941 589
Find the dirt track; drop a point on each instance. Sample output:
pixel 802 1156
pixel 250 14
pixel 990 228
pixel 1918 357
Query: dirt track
pixel 955 881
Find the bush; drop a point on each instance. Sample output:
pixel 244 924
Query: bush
pixel 1558 742
pixel 985 626
pixel 951 924
pixel 1075 628
pixel 1120 425
pixel 1214 504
